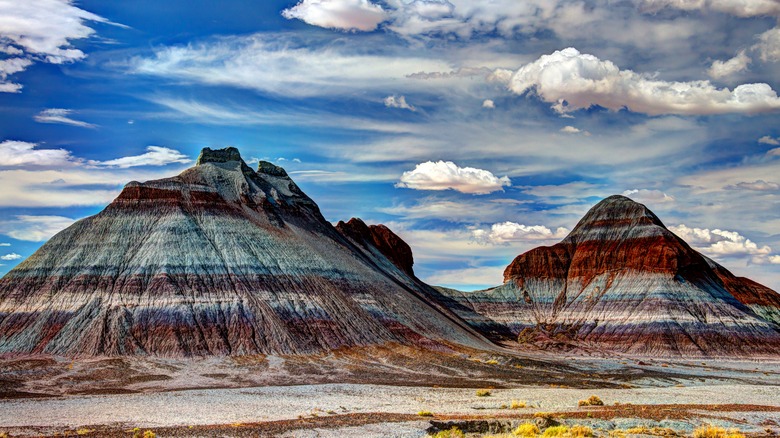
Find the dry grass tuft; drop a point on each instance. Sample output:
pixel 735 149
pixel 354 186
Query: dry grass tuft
pixel 540 414
pixel 526 429
pixel 710 431
pixel 591 401
pixel 492 362
pixel 425 414
pixel 454 432
pixel 483 393
pixel 579 431
pixel 518 404
pixel 562 431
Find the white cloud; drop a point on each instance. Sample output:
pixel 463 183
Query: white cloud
pixel 398 102
pixel 724 69
pixel 155 156
pixel 22 153
pixel 487 103
pixel 773 152
pixel 40 31
pixel 769 140
pixel 505 232
pixel 35 228
pixel 285 65
pixel 32 177
pixel 723 243
pixel 758 186
pixel 573 130
pixel 5 244
pixel 573 81
pixel 11 256
pixel 739 8
pixel 353 15
pixel 768 45
pixel 648 196
pixel 8 67
pixel 446 175
pixel 60 115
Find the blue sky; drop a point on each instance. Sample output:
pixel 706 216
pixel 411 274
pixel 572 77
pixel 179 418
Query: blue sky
pixel 475 130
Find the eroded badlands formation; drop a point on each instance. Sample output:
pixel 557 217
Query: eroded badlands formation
pixel 621 281
pixel 225 260
pixel 218 260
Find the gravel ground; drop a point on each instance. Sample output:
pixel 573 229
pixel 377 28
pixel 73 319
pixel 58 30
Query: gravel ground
pixel 248 405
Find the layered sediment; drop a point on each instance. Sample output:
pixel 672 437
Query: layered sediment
pixel 219 260
pixel 621 281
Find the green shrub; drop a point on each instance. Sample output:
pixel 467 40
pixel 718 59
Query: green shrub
pixel 483 393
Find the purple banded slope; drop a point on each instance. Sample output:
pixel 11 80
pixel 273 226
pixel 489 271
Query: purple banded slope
pixel 218 260
pixel 621 281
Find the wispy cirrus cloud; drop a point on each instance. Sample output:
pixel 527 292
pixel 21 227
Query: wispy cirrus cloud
pixel 35 177
pixel 34 228
pixel 285 65
pixel 741 8
pixel 61 116
pixel 154 156
pixel 22 153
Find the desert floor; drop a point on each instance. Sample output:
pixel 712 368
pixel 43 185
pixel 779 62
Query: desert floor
pixel 277 396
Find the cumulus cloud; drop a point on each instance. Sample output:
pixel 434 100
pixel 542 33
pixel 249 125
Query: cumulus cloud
pixel 487 103
pixel 398 102
pixel 60 115
pixel 22 153
pixel 723 243
pixel 573 130
pixel 5 244
pixel 739 8
pixel 11 256
pixel 768 45
pixel 352 15
pixel 648 196
pixel 573 81
pixel 724 69
pixel 446 175
pixel 758 186
pixel 769 140
pixel 506 232
pixel 40 31
pixel 155 156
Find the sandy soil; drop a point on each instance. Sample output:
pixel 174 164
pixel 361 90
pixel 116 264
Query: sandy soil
pixel 377 393
pixel 268 404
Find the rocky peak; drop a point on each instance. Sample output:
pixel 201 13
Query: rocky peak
pixel 616 234
pixel 208 155
pixel 617 217
pixel 271 169
pixel 383 239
